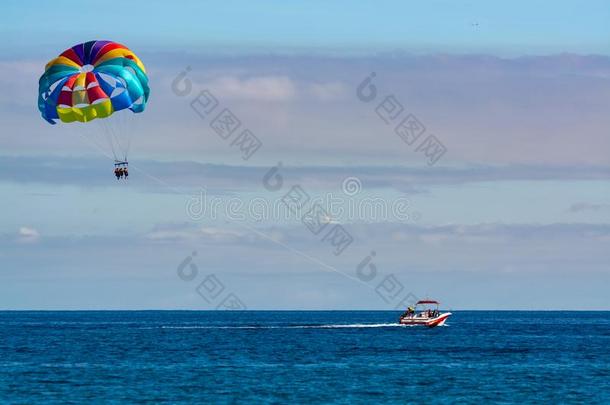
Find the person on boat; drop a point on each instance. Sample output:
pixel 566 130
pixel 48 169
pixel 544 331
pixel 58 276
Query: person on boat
pixel 408 313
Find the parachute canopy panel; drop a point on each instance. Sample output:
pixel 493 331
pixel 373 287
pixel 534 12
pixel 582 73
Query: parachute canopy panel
pixel 92 80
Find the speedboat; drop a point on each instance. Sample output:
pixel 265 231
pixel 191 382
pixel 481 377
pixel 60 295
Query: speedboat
pixel 424 314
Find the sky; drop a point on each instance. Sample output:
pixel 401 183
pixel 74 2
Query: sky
pixel 515 213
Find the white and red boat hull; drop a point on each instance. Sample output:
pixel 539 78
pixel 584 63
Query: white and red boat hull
pixel 430 322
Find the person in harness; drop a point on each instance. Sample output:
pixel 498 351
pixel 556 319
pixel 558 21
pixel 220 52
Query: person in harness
pixel 120 170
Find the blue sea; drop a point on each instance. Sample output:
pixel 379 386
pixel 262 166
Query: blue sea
pixel 303 357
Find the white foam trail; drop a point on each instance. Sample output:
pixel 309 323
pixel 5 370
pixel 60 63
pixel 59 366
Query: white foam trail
pixel 358 325
pixel 331 326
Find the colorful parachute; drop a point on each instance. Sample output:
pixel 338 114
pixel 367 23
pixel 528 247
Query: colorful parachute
pixel 92 80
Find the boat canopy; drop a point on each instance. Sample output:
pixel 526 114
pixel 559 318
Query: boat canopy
pixel 427 302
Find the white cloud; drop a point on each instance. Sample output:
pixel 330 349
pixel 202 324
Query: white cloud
pixel 263 88
pixel 583 206
pixel 274 88
pixel 186 232
pixel 19 81
pixel 27 235
pixel 469 102
pixel 219 234
pixel 328 91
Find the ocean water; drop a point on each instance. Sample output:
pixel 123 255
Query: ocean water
pixel 303 357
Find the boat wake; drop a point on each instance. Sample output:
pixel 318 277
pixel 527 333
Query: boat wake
pixel 329 326
pixel 356 325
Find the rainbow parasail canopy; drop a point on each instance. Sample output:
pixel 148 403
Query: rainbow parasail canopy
pixel 92 80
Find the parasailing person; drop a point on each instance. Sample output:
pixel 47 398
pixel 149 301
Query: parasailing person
pixel 91 80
